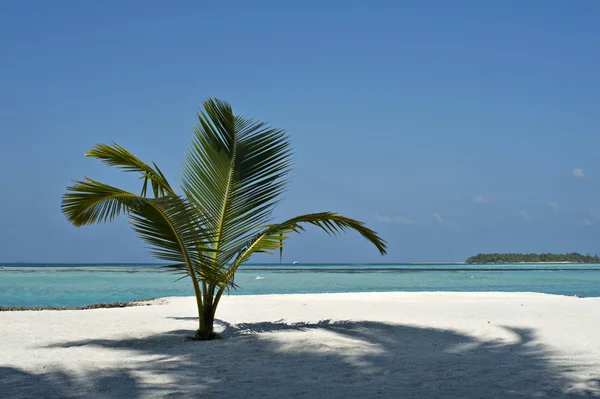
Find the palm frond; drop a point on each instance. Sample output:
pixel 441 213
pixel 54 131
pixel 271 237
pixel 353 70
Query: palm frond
pixel 169 224
pixel 234 172
pixel 273 236
pixel 87 202
pixel 116 155
pixel 176 233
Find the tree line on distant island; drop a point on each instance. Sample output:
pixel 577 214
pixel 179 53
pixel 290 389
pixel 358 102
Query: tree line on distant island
pixel 572 257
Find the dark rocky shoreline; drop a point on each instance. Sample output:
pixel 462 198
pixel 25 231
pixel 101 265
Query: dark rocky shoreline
pixel 145 302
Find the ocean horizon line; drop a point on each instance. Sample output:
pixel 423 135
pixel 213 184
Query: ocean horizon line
pixel 84 264
pixel 291 266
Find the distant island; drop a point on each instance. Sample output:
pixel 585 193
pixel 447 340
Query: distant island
pixel 572 257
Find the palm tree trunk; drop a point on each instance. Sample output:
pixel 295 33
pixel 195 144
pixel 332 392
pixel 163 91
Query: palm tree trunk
pixel 207 319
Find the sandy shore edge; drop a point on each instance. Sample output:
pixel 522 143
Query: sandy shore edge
pixel 165 300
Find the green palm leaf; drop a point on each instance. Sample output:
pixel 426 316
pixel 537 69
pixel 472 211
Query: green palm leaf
pixel 115 155
pixel 234 171
pixel 273 236
pixel 88 202
pixel 168 224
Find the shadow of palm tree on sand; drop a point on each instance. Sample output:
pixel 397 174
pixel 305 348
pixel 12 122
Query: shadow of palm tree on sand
pixel 359 359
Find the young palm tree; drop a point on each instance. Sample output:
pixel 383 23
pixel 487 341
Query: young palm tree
pixel 233 175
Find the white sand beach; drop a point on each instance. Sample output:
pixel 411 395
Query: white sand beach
pixel 367 345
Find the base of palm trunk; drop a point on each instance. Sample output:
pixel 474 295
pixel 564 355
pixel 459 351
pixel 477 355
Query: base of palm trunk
pixel 204 335
pixel 207 321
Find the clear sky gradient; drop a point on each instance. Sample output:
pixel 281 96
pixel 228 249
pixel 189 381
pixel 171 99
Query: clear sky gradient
pixel 451 128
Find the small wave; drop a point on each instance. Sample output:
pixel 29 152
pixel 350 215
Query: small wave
pixel 259 278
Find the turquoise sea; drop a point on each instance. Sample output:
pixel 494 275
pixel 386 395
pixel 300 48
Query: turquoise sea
pixel 76 285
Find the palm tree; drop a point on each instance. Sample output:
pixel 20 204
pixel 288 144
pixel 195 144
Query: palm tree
pixel 233 175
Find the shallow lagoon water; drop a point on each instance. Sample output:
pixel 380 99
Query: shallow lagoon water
pixel 77 285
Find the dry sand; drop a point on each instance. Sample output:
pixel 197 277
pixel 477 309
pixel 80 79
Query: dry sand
pixel 368 345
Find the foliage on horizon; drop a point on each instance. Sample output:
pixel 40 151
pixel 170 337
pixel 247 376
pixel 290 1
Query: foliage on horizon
pixel 573 257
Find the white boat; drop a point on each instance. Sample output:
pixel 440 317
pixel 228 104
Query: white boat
pixel 295 262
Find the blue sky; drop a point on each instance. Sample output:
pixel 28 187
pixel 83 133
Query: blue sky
pixel 451 128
